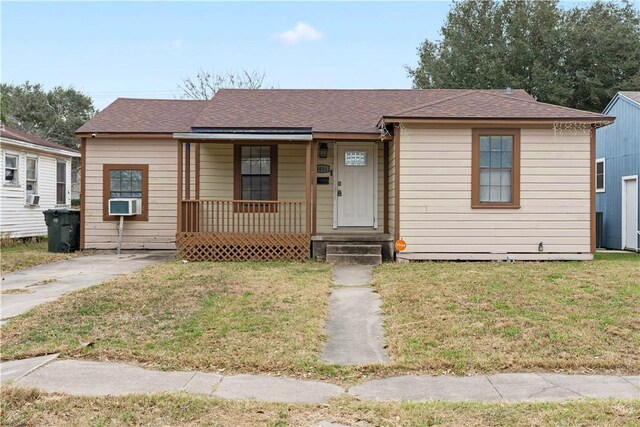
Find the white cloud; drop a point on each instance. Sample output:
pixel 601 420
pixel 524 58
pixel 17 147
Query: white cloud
pixel 301 32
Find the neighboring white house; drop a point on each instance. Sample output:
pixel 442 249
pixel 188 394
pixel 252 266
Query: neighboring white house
pixel 37 177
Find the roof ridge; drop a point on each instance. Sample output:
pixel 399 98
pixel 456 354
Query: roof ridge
pixel 161 99
pixel 543 103
pixel 429 104
pixel 354 89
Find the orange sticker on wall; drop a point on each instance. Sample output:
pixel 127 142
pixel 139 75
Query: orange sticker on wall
pixel 401 245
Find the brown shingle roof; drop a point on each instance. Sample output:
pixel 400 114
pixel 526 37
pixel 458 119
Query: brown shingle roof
pixel 127 115
pixel 475 104
pixel 321 110
pixel 19 135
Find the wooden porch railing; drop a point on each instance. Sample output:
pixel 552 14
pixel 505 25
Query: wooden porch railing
pixel 244 217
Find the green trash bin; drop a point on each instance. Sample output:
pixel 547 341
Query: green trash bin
pixel 63 229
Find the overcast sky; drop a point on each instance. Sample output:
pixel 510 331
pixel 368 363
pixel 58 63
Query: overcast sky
pixel 144 49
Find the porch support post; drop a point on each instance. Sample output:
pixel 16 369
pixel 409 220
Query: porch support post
pixel 198 170
pixel 385 187
pixel 314 185
pixel 179 202
pixel 396 182
pixel 187 171
pixel 308 190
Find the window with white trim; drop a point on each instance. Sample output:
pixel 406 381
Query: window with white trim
pixel 61 182
pixel 600 176
pixel 32 175
pixel 11 169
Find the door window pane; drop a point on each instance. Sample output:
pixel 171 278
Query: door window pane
pixel 355 158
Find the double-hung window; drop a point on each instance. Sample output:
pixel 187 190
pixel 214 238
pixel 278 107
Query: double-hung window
pixel 255 170
pixel 125 182
pixel 496 168
pixel 61 182
pixel 11 169
pixel 600 181
pixel 32 175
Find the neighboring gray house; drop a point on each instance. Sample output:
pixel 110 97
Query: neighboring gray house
pixel 617 170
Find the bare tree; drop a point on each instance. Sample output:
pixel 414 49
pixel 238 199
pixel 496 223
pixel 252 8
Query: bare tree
pixel 206 83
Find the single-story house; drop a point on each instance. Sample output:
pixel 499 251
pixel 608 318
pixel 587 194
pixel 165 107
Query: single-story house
pixel 37 177
pixel 406 174
pixel 617 171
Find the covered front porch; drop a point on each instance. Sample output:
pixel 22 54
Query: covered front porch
pixel 268 197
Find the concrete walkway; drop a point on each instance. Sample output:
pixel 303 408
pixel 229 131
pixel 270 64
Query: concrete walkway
pixel 85 378
pixel 48 282
pixel 354 327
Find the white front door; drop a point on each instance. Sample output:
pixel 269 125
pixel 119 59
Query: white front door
pixel 630 213
pixel 354 186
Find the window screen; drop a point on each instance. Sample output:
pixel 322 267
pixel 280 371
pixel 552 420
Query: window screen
pixel 125 184
pixel 61 183
pixel 32 175
pixel 600 175
pixel 10 169
pixel 255 164
pixel 496 168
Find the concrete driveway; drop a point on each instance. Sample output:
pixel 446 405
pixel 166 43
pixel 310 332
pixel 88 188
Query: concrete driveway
pixel 35 286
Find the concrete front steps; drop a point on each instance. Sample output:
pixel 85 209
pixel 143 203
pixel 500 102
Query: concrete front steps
pixel 320 242
pixel 354 254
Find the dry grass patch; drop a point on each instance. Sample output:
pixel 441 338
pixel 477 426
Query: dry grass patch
pixel 17 255
pixel 468 318
pixel 28 407
pixel 248 317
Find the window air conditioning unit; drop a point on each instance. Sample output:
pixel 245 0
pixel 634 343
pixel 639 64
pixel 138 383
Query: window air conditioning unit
pixel 125 207
pixel 33 199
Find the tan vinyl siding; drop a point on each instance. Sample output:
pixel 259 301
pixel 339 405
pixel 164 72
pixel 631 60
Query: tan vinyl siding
pixel 159 231
pixel 325 195
pixel 435 188
pixel 216 179
pixel 216 171
pixel 392 187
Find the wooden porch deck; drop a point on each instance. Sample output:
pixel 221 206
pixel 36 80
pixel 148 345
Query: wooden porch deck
pixel 242 230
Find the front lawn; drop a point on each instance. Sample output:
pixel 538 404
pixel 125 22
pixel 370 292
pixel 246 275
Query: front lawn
pixel 28 407
pixel 439 318
pixel 17 255
pixel 243 317
pixel 474 317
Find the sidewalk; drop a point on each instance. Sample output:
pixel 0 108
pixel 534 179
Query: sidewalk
pixel 354 327
pixel 48 282
pixel 85 378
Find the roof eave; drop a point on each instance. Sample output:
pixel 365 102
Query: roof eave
pixel 495 120
pixel 66 151
pixel 132 135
